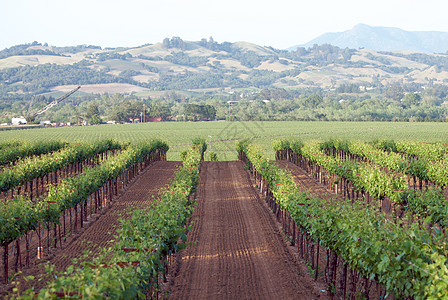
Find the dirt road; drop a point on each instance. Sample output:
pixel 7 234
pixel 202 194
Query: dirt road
pixel 238 251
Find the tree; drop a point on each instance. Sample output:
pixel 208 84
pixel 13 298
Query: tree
pixel 313 101
pixel 166 43
pixel 265 94
pixel 411 99
pixel 93 114
pixel 175 42
pixel 211 44
pixel 200 112
pixel 95 119
pixel 394 92
pixel 158 109
pixel 78 117
pixel 203 43
pixel 127 111
pixel 92 110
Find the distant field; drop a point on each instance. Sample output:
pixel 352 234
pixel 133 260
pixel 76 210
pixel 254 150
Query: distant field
pixel 221 135
pixel 102 88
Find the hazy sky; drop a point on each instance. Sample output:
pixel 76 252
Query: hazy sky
pixel 279 23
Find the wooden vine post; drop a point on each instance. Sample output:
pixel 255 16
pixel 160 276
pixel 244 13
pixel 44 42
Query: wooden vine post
pixel 5 262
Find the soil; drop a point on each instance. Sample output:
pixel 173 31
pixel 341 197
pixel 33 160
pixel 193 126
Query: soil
pixel 304 180
pixel 237 249
pixel 99 231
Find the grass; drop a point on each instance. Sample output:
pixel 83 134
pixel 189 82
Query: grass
pixel 221 135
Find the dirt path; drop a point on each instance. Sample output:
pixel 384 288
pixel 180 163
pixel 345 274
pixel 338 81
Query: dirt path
pixel 100 233
pixel 304 180
pixel 238 251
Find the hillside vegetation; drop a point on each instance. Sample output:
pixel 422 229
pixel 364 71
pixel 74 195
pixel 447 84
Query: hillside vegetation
pixel 224 71
pixel 39 68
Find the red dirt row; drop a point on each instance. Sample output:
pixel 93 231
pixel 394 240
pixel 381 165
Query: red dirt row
pixel 100 233
pixel 304 180
pixel 237 250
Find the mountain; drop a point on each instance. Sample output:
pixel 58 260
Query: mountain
pixel 384 39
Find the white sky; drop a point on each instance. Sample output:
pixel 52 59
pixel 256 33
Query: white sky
pixel 279 23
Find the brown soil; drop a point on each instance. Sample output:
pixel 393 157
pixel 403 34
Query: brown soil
pixel 102 228
pixel 237 250
pixel 304 180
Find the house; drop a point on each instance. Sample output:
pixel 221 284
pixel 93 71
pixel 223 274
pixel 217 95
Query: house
pixel 154 119
pixel 147 119
pixel 18 121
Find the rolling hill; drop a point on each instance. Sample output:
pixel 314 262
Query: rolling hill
pixel 174 64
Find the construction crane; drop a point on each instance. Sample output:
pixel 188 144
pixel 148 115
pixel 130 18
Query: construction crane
pixel 32 117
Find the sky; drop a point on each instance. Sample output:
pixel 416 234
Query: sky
pixel 131 23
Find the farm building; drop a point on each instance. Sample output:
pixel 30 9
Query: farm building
pixel 18 121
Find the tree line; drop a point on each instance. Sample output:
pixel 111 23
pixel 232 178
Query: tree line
pixel 253 105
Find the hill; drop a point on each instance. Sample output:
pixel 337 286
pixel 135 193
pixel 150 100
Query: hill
pixel 174 64
pixel 176 72
pixel 384 39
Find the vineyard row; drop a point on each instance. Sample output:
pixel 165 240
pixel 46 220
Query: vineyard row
pixel 135 265
pixel 74 197
pixel 403 259
pixel 368 181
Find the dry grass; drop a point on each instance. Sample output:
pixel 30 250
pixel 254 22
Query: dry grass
pixel 34 60
pixel 110 88
pixel 396 61
pixel 146 77
pixel 229 63
pixel 245 46
pixel 429 73
pixel 158 50
pixel 274 66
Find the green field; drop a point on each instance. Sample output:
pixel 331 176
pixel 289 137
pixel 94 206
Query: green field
pixel 221 135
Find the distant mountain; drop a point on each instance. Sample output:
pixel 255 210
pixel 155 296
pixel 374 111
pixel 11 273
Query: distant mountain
pixel 384 39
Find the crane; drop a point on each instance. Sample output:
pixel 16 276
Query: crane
pixel 32 117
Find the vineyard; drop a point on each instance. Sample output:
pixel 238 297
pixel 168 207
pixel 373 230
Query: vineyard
pixel 388 224
pixel 332 219
pixel 221 136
